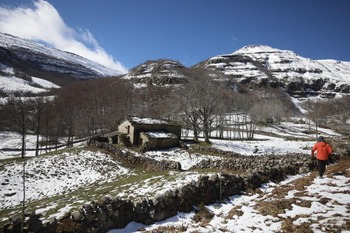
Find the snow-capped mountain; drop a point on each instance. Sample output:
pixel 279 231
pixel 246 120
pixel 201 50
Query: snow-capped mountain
pixel 263 65
pixel 34 58
pixel 158 72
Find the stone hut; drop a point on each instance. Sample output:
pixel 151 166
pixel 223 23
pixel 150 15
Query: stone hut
pixel 150 133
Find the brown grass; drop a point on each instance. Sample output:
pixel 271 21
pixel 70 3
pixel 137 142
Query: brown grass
pixel 340 168
pixel 203 215
pixel 235 211
pixel 274 207
pixel 166 229
pixel 288 226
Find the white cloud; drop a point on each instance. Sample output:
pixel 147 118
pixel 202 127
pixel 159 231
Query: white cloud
pixel 43 23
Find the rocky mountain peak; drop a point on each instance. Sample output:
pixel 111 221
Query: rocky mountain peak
pixel 158 72
pixel 255 49
pixel 259 65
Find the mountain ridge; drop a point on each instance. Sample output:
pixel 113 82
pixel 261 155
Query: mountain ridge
pixel 29 56
pixel 263 65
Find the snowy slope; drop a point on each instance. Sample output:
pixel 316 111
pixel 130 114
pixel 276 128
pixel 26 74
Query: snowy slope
pixel 280 62
pixel 51 59
pixel 10 84
pixel 298 75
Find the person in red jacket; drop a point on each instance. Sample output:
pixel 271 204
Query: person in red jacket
pixel 323 151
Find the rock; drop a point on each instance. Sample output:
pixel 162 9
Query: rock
pixel 51 225
pixel 77 216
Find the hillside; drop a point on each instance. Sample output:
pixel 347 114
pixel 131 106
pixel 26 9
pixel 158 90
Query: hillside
pixel 158 72
pixel 259 65
pixel 34 59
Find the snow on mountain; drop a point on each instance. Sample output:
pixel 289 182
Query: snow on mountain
pixel 14 83
pixel 288 61
pixel 157 72
pixel 37 56
pixel 254 65
pixel 259 64
pixel 44 83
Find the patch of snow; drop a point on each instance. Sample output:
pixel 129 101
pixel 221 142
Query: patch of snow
pixel 186 159
pixel 44 83
pixel 13 84
pixel 159 134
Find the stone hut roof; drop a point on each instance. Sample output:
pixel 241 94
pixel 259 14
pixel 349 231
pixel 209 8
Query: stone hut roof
pixel 112 134
pixel 147 121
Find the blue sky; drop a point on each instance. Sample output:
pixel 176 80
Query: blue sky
pixel 129 32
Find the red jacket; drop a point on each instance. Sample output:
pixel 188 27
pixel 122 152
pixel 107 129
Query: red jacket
pixel 323 150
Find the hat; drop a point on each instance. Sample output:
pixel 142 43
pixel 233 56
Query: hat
pixel 320 139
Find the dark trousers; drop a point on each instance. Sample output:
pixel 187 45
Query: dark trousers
pixel 322 166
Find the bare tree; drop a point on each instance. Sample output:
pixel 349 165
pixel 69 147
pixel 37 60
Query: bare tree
pixel 243 121
pixel 344 114
pixel 17 110
pixel 200 100
pixel 38 105
pixel 317 111
pixel 267 111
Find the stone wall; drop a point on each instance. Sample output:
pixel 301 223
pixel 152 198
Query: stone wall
pixel 130 158
pixel 111 213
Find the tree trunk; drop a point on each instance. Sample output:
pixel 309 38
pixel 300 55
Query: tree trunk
pixel 24 194
pixel 23 142
pixel 37 139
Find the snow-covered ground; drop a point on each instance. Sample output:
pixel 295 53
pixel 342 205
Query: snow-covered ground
pixel 297 142
pixel 47 176
pixel 186 159
pixel 12 140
